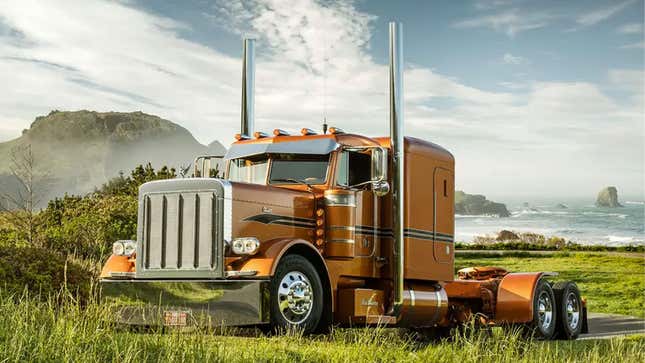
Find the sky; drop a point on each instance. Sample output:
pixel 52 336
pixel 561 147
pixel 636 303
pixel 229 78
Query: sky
pixel 532 98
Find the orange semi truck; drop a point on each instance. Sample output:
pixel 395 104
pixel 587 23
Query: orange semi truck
pixel 311 230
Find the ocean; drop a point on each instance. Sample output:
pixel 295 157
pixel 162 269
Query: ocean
pixel 580 222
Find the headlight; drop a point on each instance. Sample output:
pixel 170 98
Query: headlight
pixel 124 248
pixel 245 246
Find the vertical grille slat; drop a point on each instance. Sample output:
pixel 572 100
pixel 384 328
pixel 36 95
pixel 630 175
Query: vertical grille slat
pixel 147 225
pixel 164 230
pixel 180 227
pixel 182 234
pixel 196 233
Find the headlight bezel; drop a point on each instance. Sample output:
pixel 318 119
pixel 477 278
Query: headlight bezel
pixel 126 248
pixel 245 246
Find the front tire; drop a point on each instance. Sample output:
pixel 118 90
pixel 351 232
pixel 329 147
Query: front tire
pixel 570 314
pixel 545 312
pixel 296 295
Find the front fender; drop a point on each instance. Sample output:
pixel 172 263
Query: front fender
pixel 266 260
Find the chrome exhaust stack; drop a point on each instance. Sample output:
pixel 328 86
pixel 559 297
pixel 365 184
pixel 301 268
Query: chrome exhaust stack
pixel 248 88
pixel 396 143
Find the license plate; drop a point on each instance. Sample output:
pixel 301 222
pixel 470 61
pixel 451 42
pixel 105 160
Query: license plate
pixel 175 318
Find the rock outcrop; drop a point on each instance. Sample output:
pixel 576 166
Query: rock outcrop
pixel 80 150
pixel 473 204
pixel 608 197
pixel 506 235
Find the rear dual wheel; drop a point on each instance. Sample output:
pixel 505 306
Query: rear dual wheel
pixel 545 313
pixel 570 310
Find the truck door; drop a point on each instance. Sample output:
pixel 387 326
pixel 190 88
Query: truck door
pixel 353 171
pixel 354 168
pixel 444 223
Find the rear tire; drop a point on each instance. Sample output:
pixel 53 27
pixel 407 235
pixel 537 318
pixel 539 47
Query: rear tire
pixel 545 313
pixel 296 296
pixel 570 310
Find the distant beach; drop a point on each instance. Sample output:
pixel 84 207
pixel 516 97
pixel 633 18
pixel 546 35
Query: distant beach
pixel 580 222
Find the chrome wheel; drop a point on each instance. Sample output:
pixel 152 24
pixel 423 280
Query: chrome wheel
pixel 573 311
pixel 545 311
pixel 295 297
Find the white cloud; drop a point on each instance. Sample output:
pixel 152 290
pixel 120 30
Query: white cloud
pixel 511 21
pixel 550 136
pixel 598 15
pixel 490 4
pixel 631 28
pixel 637 45
pixel 508 58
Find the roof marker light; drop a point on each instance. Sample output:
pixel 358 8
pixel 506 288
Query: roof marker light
pixel 307 132
pixel 260 135
pixel 240 137
pixel 336 131
pixel 280 132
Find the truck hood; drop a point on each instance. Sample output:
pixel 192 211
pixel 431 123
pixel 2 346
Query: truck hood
pixel 268 212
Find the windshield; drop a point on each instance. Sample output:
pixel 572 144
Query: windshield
pixel 284 169
pixel 249 170
pixel 288 168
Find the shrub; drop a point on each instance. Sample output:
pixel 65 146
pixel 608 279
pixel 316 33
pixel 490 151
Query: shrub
pixel 86 227
pixel 42 272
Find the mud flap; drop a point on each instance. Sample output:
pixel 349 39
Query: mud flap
pixel 585 326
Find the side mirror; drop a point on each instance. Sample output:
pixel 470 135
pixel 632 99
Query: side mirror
pixel 381 188
pixel 379 164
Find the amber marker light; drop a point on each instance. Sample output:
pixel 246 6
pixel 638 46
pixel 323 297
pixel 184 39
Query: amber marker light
pixel 279 132
pixel 320 212
pixel 320 232
pixel 319 242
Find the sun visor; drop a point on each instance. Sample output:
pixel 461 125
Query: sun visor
pixel 308 147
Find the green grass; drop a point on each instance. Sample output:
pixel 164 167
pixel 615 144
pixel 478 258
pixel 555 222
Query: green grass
pixel 33 330
pixel 611 284
pixel 41 332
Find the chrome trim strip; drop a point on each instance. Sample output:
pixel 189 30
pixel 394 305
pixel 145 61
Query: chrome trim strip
pixel 340 200
pixel 341 240
pixel 241 273
pixel 412 298
pixel 228 209
pixel 342 228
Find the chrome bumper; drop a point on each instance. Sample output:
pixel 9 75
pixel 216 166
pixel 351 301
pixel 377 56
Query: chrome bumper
pixel 187 302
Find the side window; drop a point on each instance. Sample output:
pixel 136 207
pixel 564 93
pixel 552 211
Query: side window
pixel 354 168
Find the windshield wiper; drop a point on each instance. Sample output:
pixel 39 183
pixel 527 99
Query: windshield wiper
pixel 292 180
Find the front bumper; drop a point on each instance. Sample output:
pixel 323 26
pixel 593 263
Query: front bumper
pixel 187 302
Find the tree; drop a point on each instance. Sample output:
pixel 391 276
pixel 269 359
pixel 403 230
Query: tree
pixel 22 200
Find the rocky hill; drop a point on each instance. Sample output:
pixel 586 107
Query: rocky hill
pixel 82 149
pixel 608 197
pixel 473 204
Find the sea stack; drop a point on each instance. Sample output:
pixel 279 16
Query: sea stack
pixel 608 197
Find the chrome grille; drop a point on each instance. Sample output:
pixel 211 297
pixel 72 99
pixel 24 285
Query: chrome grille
pixel 182 232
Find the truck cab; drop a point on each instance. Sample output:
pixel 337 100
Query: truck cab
pixel 309 230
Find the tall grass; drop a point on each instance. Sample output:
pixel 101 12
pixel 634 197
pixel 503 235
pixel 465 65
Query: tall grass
pixel 51 331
